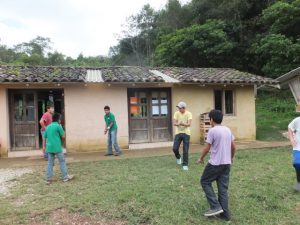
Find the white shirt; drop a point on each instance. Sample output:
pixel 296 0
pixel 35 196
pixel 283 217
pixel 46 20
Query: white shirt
pixel 295 127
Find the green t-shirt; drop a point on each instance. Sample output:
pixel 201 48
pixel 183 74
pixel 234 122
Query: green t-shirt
pixel 111 118
pixel 53 134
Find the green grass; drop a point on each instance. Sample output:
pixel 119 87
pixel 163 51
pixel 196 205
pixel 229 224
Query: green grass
pixel 274 111
pixel 156 191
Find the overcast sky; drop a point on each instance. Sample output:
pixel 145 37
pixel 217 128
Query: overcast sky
pixel 74 26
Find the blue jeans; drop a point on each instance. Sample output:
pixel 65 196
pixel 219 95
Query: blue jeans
pixel 296 163
pixel 220 174
pixel 112 141
pixel 62 163
pixel 186 144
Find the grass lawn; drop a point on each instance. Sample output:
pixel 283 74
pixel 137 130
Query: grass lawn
pixel 274 111
pixel 156 191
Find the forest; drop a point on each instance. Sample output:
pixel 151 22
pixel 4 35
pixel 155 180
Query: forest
pixel 257 36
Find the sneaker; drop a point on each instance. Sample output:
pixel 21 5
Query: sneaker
pixel 186 168
pixel 178 161
pixel 297 187
pixel 117 154
pixel 48 182
pixel 223 217
pixel 68 178
pixel 108 154
pixel 213 212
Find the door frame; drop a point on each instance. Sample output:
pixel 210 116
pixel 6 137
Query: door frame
pixel 149 113
pixel 11 93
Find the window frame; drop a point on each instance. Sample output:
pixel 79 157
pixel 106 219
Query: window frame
pixel 223 90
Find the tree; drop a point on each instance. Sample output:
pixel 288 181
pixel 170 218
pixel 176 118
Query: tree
pixel 174 16
pixel 38 45
pixel 7 55
pixel 37 52
pixel 55 59
pixel 204 45
pixel 137 44
pixel 283 17
pixel 278 54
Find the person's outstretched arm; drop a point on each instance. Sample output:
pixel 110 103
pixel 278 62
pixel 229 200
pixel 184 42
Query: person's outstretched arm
pixel 204 153
pixel 291 137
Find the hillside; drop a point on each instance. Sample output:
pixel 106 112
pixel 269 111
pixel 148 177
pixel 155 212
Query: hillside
pixel 274 111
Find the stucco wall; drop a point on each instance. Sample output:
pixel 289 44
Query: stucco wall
pixel 84 116
pixel 4 122
pixel 243 124
pixel 84 113
pixel 201 99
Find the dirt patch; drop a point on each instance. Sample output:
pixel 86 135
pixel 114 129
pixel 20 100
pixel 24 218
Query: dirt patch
pixel 63 217
pixel 8 178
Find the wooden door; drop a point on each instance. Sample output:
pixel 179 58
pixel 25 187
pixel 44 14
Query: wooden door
pixel 149 115
pixel 138 116
pixel 24 129
pixel 160 120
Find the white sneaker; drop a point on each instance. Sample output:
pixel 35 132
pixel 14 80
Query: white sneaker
pixel 213 212
pixel 185 168
pixel 68 178
pixel 297 187
pixel 178 161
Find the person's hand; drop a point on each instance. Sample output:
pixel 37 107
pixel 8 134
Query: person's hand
pixel 293 143
pixel 200 161
pixel 105 131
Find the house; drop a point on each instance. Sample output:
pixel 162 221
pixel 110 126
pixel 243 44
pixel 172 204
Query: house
pixel 143 100
pixel 292 80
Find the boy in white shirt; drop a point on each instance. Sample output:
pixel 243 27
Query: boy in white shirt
pixel 294 136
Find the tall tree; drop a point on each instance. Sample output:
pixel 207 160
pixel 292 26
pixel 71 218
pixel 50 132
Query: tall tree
pixel 205 45
pixel 136 45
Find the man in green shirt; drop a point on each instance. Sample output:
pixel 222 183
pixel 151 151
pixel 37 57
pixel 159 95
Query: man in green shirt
pixel 54 133
pixel 111 130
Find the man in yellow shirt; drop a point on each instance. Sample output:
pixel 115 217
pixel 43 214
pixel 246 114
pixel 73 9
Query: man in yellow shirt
pixel 182 123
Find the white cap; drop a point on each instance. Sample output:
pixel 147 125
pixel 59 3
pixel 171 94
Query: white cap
pixel 181 105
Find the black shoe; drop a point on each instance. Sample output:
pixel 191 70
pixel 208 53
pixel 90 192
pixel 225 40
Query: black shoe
pixel 223 217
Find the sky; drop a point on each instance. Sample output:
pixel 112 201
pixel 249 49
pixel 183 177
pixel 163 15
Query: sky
pixel 89 27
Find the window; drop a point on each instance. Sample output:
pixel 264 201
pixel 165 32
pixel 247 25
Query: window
pixel 138 104
pixel 224 101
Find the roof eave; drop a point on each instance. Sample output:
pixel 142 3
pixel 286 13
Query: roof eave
pixel 288 76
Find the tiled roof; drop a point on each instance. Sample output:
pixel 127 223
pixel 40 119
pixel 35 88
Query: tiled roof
pixel 41 74
pixel 129 74
pixel 45 74
pixel 214 76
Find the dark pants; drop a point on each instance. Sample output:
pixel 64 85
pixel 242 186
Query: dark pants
pixel 186 144
pixel 220 174
pixel 297 168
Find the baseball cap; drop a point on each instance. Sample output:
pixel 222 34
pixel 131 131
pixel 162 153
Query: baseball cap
pixel 181 105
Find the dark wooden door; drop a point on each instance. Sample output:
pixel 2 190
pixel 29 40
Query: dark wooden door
pixel 160 120
pixel 138 116
pixel 24 129
pixel 149 115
